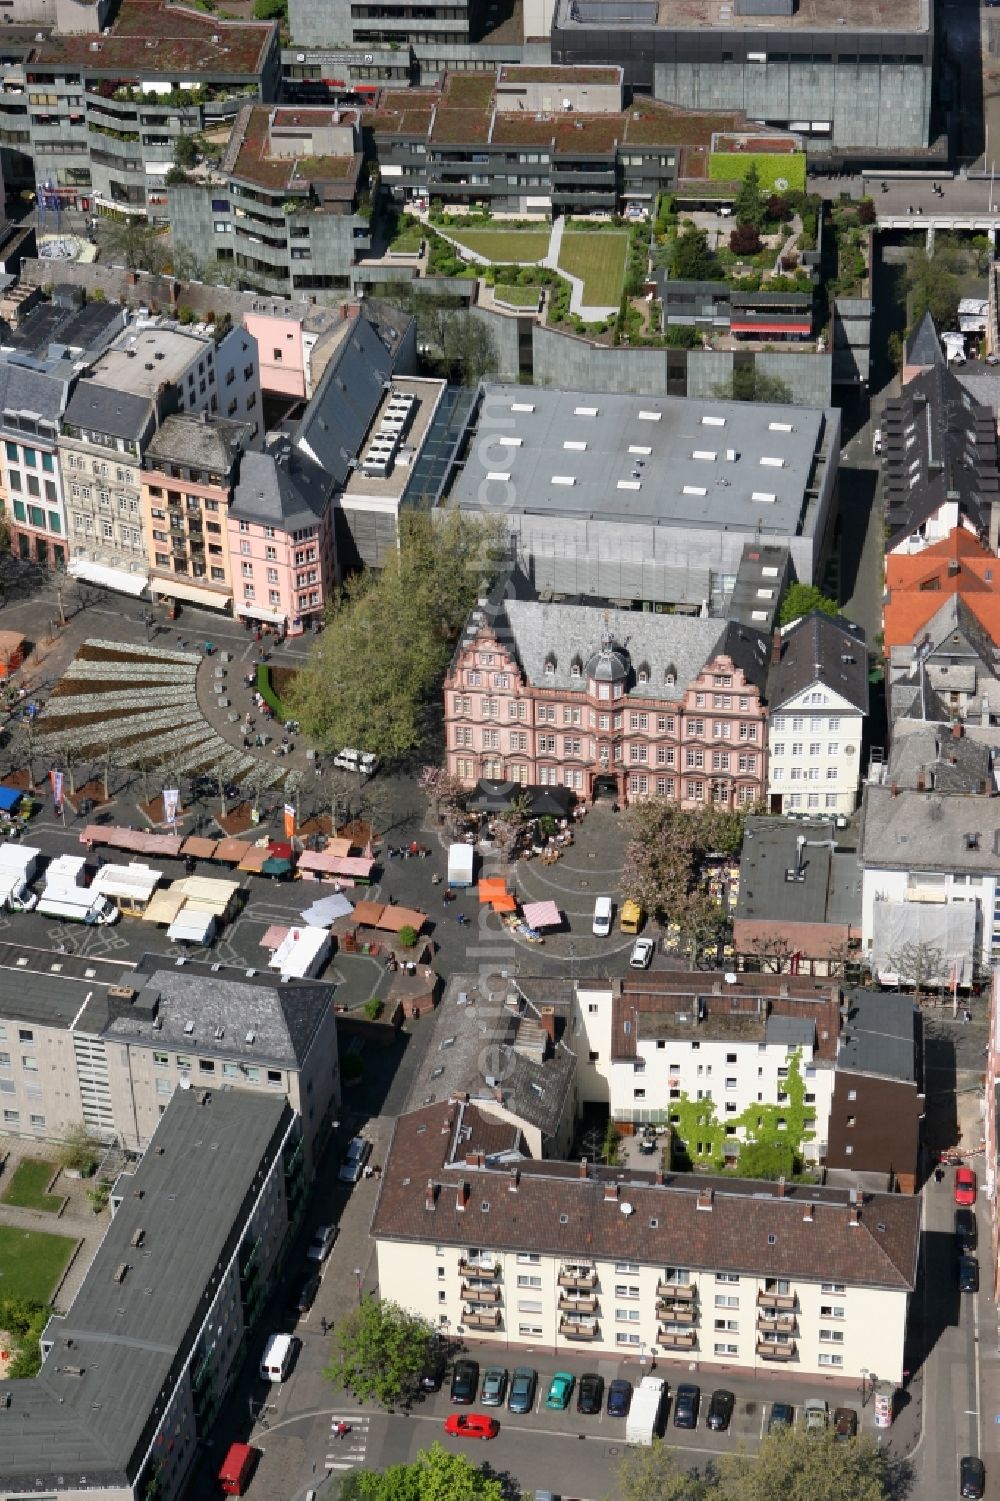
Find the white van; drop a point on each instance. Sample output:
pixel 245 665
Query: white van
pixel 277 1358
pixel 602 917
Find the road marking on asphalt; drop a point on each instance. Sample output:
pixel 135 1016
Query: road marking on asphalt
pixel 353 1447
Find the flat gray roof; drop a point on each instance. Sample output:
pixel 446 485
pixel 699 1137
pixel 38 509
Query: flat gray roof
pixel 830 891
pixel 908 830
pixel 881 1035
pixel 56 990
pixel 633 459
pixel 86 1421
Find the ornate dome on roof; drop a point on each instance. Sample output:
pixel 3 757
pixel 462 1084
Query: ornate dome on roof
pixel 609 665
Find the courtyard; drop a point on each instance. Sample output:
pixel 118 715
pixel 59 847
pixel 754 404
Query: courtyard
pixel 32 1262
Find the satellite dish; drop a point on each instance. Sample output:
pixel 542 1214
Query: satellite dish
pixel 626 1209
pixel 730 978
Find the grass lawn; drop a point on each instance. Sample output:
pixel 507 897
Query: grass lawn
pixel 408 241
pixel 31 1262
pixel 504 247
pixel 517 296
pixel 27 1187
pixel 597 257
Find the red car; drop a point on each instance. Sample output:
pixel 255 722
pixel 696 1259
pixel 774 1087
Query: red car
pixel 965 1186
pixel 471 1425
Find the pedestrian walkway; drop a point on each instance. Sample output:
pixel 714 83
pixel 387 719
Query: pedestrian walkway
pixel 348 1452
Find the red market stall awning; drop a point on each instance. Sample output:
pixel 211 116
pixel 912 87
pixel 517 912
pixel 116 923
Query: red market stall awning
pixel 542 915
pixel 394 919
pixel 505 903
pixel 167 846
pixel 492 888
pixel 758 326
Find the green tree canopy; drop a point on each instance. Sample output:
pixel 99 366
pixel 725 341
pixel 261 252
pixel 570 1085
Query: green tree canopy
pixel 801 599
pixel 185 151
pixel 378 665
pixel 133 241
pixel 766 1159
pixel 933 287
pixel 691 259
pixel 788 1466
pixel 435 1475
pixel 379 1351
pixel 750 206
pixel 666 845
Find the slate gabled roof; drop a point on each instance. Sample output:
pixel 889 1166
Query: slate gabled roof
pixel 102 409
pixel 280 487
pixel 923 346
pixel 823 649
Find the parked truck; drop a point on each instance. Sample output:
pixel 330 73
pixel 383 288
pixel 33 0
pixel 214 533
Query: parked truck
pixel 18 864
pixel 461 858
pixel 643 1422
pixel 77 904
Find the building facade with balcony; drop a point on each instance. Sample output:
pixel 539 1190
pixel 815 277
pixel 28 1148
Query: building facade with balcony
pixel 163 1315
pixel 551 695
pixel 188 474
pixel 104 112
pixel 32 403
pixel 492 1247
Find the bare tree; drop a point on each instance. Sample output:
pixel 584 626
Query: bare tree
pixel 922 965
pixel 772 952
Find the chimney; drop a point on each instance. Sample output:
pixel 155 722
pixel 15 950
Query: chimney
pixel 956 730
pixel 583 1167
pixel 462 1197
pixel 498 1095
pixel 705 1199
pixel 921 781
pixel 431 1199
pixel 548 1019
pixel 807 1214
pixel 611 1193
pixel 659 1177
pixel 515 1179
pixel 475 1159
pixel 781 1186
pixel 894 790
pixel 855 1218
pixel 776 647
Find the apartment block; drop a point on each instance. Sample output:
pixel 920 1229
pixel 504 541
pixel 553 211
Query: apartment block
pixel 162 1318
pixel 878 1105
pixel 737 1275
pixel 111 1051
pixel 280 537
pixel 188 475
pixel 32 403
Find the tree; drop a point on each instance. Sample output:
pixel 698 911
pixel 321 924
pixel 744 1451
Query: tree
pixel 797 1466
pixel 79 1150
pixel 665 848
pixel 766 1159
pixel 133 241
pixel 771 951
pixel 612 1145
pixel 745 240
pixel 435 1475
pixel 372 674
pixel 922 965
pixel 801 599
pixel 750 206
pixel 657 1473
pixel 691 259
pixel 185 152
pixel 443 789
pixel 379 1352
pixel 270 10
pixel 933 286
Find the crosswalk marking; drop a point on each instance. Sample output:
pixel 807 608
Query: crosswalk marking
pixel 348 1453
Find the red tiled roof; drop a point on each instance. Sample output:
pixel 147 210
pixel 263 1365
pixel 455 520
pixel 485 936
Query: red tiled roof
pixel 552 1209
pixel 917 584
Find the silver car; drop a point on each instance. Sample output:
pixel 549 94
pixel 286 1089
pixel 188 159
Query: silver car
pixel 357 1154
pixel 494 1387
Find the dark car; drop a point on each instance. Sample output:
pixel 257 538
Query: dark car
pixel 845 1424
pixel 465 1382
pixel 590 1394
pixel 966 1230
pixel 522 1389
pixel 307 1294
pixel 720 1410
pixel 432 1374
pixel 686 1400
pixel 968 1274
pixel 619 1398
pixel 782 1415
pixel 972 1475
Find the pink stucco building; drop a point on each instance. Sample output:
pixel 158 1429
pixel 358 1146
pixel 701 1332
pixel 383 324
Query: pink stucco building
pixel 608 701
pixel 295 341
pixel 281 549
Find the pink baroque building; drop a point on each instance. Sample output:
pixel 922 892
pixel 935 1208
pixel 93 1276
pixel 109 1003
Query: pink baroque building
pixel 612 702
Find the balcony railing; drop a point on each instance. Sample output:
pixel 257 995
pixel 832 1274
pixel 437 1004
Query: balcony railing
pixel 676 1339
pixel 577 1304
pixel 585 1329
pixel 583 1279
pixel 782 1323
pixel 677 1313
pixel 783 1302
pixel 769 1350
pixel 479 1268
pixel 481 1318
pixel 681 1290
pixel 480 1294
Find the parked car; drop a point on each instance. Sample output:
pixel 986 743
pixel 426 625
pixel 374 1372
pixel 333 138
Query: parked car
pixel 603 913
pixel 782 1415
pixel 522 1389
pixel 845 1424
pixel 322 1243
pixel 686 1400
pixel 307 1294
pixel 494 1387
pixel 966 1230
pixel 559 1392
pixel 642 953
pixel 815 1415
pixel 590 1394
pixel 432 1374
pixel 357 1154
pixel 720 1410
pixel 972 1477
pixel 968 1274
pixel 619 1398
pixel 471 1425
pixel 965 1187
pixel 465 1382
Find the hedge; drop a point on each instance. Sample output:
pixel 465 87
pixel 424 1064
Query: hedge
pixel 777 174
pixel 267 693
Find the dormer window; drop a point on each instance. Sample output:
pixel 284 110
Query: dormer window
pixel 670 675
pixel 550 665
pixel 575 667
pixel 642 673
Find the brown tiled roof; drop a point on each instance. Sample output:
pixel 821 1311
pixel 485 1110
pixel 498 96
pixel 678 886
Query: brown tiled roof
pixel 152 38
pixel 556 1211
pixel 651 1004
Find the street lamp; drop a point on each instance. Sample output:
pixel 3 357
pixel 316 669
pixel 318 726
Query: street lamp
pixel 360 1278
pixel 868 1383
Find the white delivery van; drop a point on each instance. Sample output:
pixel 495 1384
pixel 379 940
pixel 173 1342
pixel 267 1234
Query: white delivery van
pixel 76 904
pixel 643 1422
pixel 461 864
pixel 18 864
pixel 602 917
pixel 276 1361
